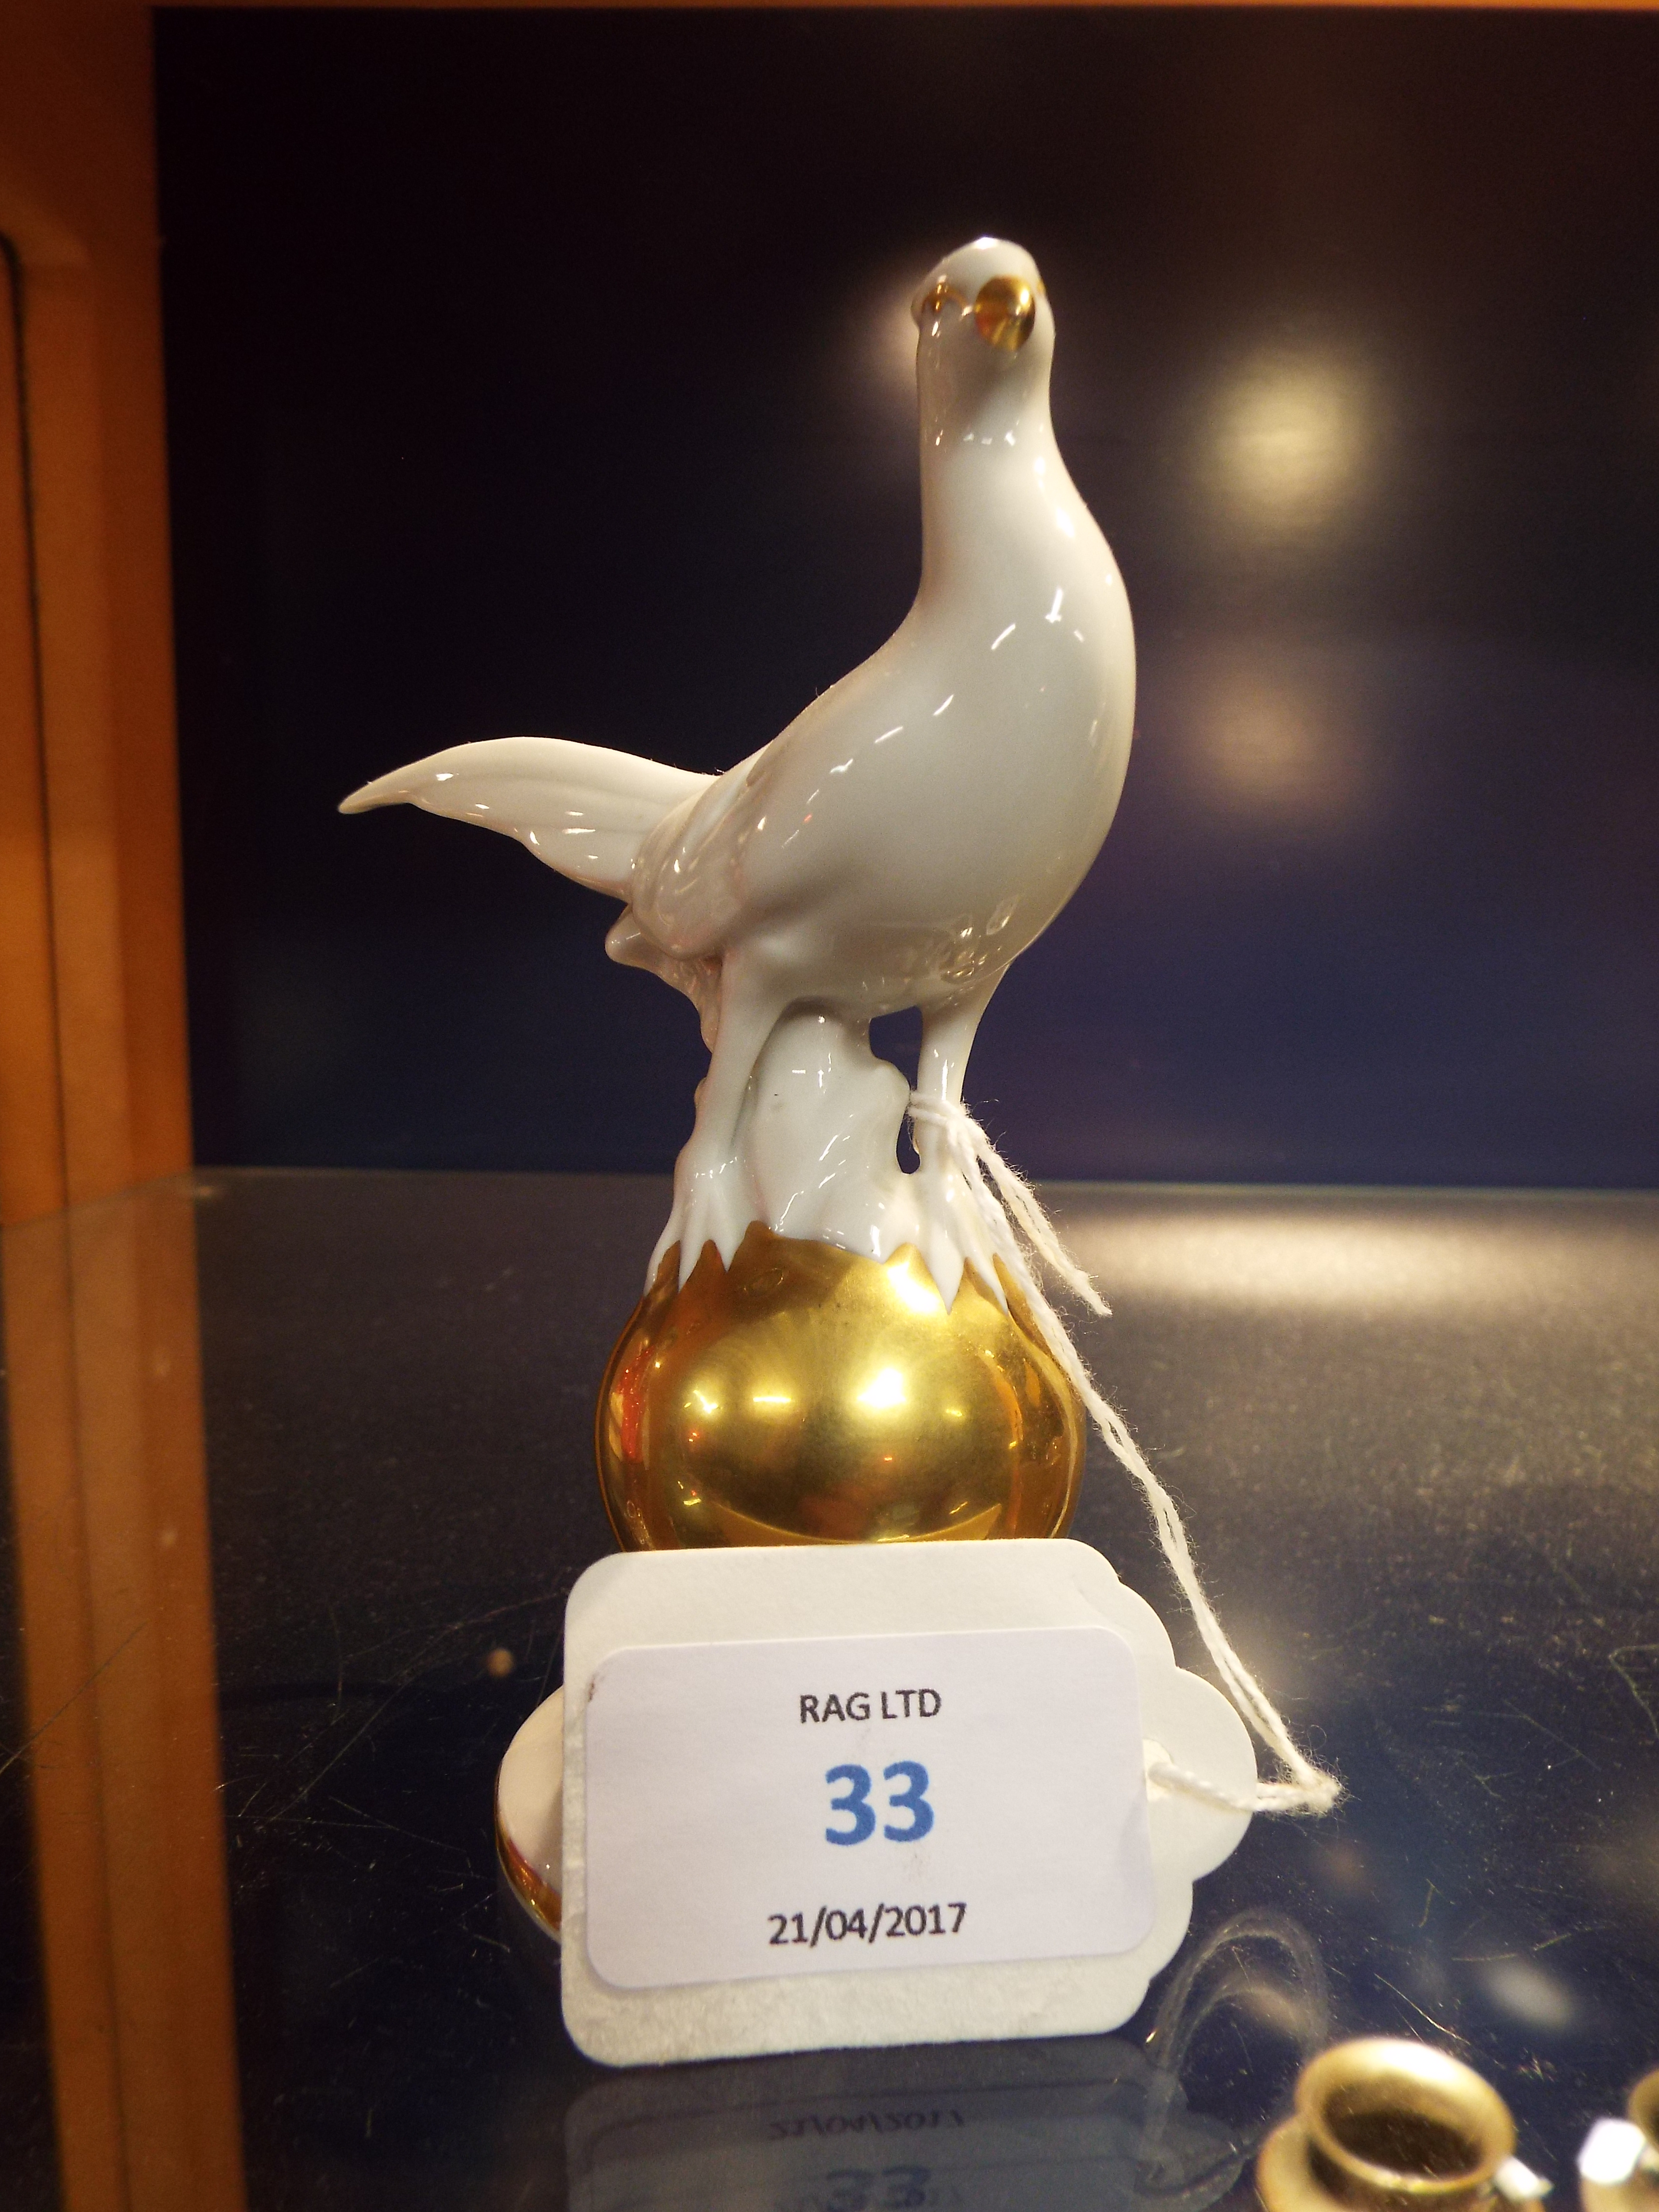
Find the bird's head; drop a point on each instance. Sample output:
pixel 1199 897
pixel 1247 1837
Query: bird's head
pixel 987 334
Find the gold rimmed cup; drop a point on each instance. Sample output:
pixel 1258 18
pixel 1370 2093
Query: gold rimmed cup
pixel 1628 2181
pixel 1385 2123
pixel 1643 2110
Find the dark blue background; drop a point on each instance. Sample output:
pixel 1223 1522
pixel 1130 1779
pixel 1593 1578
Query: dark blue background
pixel 535 373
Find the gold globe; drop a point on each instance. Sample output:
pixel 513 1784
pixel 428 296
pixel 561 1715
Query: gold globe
pixel 809 1395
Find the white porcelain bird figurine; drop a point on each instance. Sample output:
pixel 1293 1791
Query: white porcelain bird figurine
pixel 898 845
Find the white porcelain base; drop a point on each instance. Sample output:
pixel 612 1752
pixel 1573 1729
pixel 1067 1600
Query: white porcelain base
pixel 676 1598
pixel 530 1814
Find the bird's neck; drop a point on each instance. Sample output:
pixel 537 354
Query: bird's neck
pixel 988 485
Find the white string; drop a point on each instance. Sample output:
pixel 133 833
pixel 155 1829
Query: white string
pixel 1310 1788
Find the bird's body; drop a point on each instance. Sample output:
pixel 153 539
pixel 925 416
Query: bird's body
pixel 911 831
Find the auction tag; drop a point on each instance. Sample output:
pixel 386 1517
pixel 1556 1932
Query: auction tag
pixel 857 1804
pixel 823 1795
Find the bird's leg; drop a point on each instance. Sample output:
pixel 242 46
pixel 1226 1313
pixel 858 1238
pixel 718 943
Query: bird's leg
pixel 712 1198
pixel 947 1038
pixel 953 1229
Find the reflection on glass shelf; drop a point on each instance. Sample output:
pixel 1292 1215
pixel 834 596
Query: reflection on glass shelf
pixel 1096 2122
pixel 1381 1255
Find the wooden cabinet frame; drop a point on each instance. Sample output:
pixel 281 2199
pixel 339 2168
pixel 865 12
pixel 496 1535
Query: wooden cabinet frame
pixel 93 1082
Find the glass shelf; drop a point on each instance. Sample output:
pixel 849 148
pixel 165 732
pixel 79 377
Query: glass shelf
pixel 1413 1433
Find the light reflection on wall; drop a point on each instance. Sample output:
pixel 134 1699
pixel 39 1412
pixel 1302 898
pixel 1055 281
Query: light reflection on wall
pixel 1290 439
pixel 857 367
pixel 890 334
pixel 1271 733
pixel 852 410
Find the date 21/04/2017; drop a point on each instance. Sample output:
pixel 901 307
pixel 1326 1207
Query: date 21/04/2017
pixel 890 1921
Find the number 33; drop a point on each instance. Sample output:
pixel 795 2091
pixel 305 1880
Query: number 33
pixel 912 1799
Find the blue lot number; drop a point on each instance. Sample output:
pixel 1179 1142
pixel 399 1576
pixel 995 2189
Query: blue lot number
pixel 911 1800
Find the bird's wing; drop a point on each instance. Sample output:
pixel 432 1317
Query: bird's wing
pixel 687 888
pixel 583 809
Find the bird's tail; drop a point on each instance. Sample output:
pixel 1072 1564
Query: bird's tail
pixel 583 809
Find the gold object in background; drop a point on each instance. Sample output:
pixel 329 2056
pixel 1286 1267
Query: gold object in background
pixel 1644 2108
pixel 809 1394
pixel 1385 2123
pixel 1628 2179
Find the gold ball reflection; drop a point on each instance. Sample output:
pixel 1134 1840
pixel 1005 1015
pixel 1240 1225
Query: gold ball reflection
pixel 810 1395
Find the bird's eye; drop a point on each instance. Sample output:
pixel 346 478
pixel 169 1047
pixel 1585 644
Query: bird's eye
pixel 935 302
pixel 1005 313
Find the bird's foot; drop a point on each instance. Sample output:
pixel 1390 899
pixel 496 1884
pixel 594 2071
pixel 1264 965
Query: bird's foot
pixel 713 1205
pixel 960 1223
